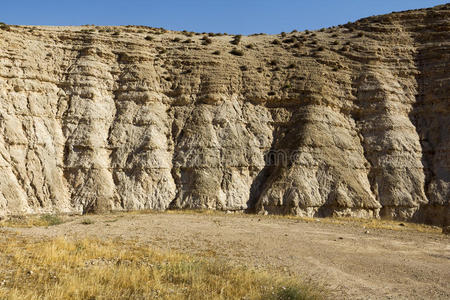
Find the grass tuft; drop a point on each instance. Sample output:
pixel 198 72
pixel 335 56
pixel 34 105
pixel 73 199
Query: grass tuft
pixel 87 222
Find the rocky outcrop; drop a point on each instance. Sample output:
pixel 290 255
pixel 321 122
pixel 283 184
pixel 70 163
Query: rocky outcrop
pixel 351 120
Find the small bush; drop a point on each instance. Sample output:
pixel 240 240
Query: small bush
pixel 243 68
pixel 250 46
pixel 149 38
pixel 292 66
pixel 283 34
pixel 4 26
pixel 321 48
pixel 237 52
pixel 276 42
pixel 186 33
pixel 236 40
pixel 51 220
pixel 297 45
pixel 206 40
pixel 176 40
pixel 273 62
pixel 87 222
pixel 289 40
pixel 289 293
pixel 217 52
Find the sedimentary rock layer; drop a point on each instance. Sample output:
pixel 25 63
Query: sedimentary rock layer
pixel 351 120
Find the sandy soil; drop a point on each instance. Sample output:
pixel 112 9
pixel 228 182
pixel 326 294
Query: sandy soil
pixel 380 264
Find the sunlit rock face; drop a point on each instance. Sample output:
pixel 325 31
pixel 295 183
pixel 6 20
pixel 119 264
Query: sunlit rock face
pixel 348 121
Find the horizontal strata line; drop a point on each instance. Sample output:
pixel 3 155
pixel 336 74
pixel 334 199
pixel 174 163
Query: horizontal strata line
pixel 157 168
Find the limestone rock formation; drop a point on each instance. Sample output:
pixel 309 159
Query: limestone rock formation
pixel 351 120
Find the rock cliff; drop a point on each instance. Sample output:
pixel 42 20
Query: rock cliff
pixel 351 120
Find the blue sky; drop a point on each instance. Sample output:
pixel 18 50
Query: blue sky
pixel 231 16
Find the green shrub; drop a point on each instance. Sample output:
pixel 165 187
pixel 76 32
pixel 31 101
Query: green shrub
pixel 292 66
pixel 4 26
pixel 236 40
pixel 187 33
pixel 51 220
pixel 289 293
pixel 289 40
pixel 87 222
pixel 297 45
pixel 206 40
pixel 276 42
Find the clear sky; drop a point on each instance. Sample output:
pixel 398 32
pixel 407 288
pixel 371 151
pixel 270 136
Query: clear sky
pixel 231 16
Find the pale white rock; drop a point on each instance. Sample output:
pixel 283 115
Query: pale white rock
pixel 100 122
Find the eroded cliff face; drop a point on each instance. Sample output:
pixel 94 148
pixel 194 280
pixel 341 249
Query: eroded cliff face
pixel 351 121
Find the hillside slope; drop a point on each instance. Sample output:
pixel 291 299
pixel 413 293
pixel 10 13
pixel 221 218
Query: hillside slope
pixel 351 120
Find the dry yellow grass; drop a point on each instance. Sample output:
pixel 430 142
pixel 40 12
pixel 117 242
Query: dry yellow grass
pixel 94 269
pixel 31 221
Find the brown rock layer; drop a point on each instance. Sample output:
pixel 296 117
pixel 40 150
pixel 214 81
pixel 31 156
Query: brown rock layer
pixel 352 120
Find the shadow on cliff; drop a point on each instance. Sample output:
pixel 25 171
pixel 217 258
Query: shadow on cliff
pixel 431 117
pixel 286 140
pixel 271 169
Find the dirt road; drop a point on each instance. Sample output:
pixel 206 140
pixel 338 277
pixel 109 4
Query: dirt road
pixel 353 263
